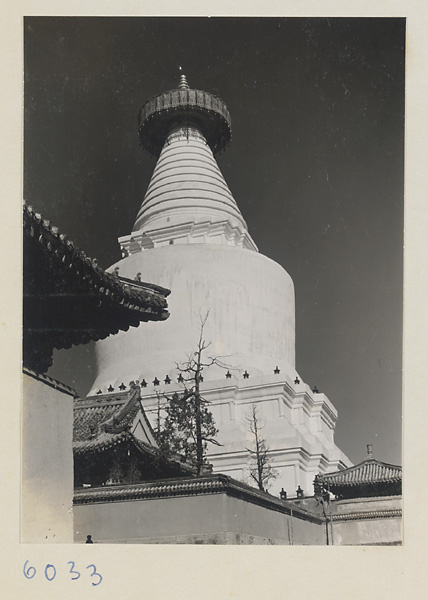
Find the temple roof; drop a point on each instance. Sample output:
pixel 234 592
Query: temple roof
pixel 113 421
pixel 369 478
pixel 69 299
pixel 104 441
pixel 106 420
pixel 370 471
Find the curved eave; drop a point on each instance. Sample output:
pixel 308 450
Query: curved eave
pixel 349 484
pixel 369 472
pixel 70 300
pixel 100 444
pixel 56 271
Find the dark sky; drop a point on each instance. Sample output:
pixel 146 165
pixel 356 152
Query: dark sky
pixel 315 165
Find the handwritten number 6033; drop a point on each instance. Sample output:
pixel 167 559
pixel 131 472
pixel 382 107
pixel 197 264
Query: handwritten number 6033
pixel 50 572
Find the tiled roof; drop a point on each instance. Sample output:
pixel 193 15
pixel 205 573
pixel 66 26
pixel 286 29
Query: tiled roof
pixel 372 514
pixel 137 295
pixel 100 442
pixel 370 471
pixel 69 299
pixel 103 421
pixel 107 440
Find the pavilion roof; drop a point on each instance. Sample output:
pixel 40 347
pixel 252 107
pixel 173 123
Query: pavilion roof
pixel 105 441
pixel 69 299
pixel 369 478
pixel 370 471
pixel 109 420
pixel 105 420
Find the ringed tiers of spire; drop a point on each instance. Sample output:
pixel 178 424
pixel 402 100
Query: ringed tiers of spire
pixel 184 106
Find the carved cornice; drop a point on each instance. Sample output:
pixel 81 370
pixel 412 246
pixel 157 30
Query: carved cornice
pixel 221 232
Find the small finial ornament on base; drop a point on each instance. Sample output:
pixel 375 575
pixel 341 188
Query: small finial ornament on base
pixel 183 85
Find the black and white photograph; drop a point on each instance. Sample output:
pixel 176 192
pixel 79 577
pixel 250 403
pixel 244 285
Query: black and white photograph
pixel 213 280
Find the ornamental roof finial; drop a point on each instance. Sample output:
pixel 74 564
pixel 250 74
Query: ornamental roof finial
pixel 183 85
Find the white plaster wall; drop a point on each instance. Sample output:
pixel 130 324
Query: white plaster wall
pixel 251 320
pixel 47 464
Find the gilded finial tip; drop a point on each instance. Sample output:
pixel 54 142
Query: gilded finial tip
pixel 183 85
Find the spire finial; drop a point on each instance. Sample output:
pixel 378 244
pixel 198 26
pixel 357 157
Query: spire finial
pixel 183 85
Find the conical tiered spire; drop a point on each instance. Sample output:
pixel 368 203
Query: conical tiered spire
pixel 187 186
pixel 187 200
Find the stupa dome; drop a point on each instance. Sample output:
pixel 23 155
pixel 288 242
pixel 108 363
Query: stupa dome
pixel 190 237
pixel 250 301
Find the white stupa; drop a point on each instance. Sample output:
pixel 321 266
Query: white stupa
pixel 190 237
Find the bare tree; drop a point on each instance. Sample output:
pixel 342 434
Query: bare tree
pixel 260 468
pixel 189 426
